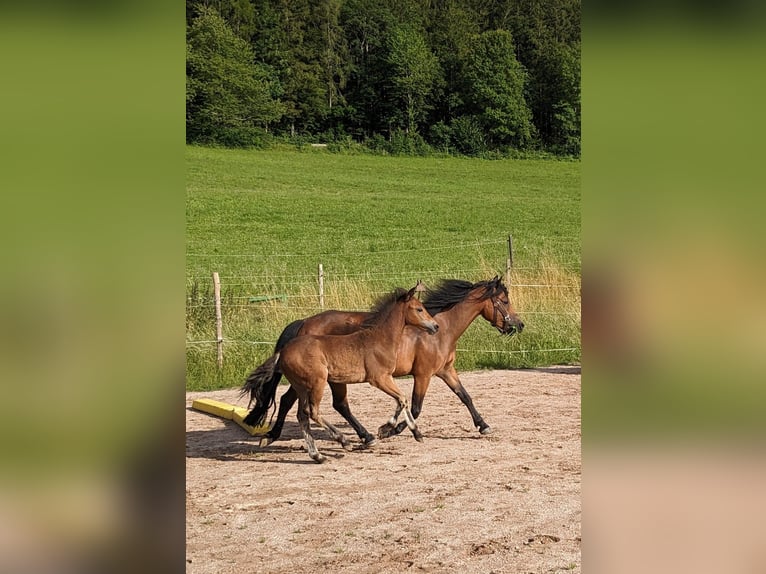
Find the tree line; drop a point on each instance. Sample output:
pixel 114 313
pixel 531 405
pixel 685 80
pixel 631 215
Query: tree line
pixel 462 76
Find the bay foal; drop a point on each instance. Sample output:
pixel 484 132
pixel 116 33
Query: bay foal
pixel 368 354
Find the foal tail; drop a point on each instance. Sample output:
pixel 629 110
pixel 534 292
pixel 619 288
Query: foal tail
pixel 262 385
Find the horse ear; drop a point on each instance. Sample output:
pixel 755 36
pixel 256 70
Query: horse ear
pixel 411 293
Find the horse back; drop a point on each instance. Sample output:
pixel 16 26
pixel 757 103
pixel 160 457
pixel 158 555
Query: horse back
pixel 333 323
pixel 339 358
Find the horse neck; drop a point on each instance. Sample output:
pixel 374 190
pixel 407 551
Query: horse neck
pixel 455 320
pixel 390 328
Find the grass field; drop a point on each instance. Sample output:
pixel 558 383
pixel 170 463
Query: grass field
pixel 265 220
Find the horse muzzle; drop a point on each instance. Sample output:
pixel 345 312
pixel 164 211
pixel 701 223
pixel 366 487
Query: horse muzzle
pixel 432 328
pixel 511 327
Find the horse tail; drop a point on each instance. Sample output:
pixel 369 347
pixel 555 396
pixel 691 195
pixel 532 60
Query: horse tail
pixel 262 385
pixel 288 334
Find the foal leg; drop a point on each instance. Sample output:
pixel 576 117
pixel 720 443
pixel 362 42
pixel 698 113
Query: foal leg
pixel 315 398
pixel 340 404
pixel 419 388
pixel 303 421
pixel 389 386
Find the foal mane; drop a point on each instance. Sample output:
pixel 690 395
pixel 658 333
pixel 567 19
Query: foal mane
pixel 382 307
pixel 450 292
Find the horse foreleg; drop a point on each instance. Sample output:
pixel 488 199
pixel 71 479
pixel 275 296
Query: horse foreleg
pixel 410 421
pixel 389 386
pixel 340 404
pixel 450 376
pixel 419 388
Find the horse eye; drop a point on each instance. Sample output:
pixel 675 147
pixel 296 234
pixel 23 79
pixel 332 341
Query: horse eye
pixel 420 310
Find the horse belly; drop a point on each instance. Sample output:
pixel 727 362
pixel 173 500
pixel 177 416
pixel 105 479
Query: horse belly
pixel 344 366
pixel 345 371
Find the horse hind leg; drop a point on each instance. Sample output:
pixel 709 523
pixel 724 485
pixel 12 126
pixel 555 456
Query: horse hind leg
pixel 330 428
pixel 340 404
pixel 285 404
pixel 303 421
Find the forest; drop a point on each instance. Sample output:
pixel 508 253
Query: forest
pixel 472 77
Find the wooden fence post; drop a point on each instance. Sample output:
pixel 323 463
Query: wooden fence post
pixel 218 318
pixel 509 262
pixel 321 286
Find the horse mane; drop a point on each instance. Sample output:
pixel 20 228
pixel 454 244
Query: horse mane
pixel 382 307
pixel 450 292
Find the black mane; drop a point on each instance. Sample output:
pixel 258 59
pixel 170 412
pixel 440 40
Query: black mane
pixel 450 292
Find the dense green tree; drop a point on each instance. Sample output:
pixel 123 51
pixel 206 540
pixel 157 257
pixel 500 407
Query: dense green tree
pixel 302 72
pixel 333 51
pixel 226 89
pixel 554 92
pixel 238 14
pixel 452 25
pixel 414 73
pixel 410 13
pixel 470 75
pixel 495 89
pixel 365 24
pixel 547 38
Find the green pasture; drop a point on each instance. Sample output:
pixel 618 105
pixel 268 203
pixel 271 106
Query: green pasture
pixel 265 220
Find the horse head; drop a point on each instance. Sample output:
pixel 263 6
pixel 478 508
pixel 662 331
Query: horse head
pixel 415 313
pixel 499 311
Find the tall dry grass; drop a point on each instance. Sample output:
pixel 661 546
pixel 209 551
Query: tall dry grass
pixel 547 298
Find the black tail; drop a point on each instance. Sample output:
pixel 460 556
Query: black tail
pixel 288 334
pixel 262 385
pixel 263 382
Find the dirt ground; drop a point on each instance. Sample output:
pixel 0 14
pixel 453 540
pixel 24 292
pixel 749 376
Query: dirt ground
pixel 507 502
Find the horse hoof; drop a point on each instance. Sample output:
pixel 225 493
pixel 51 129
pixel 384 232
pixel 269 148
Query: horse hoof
pixel 348 446
pixel 418 436
pixel 266 441
pixel 370 441
pixel 385 431
pixel 486 430
pixel 319 458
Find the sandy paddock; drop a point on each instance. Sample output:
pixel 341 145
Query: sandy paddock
pixel 458 502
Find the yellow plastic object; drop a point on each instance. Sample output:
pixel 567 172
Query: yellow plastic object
pixel 213 407
pixel 239 416
pixel 228 412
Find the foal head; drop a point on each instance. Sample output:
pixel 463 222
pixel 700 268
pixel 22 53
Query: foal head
pixel 497 308
pixel 415 313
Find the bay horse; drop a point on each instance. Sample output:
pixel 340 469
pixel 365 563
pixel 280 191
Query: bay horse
pixel 367 354
pixel 454 304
